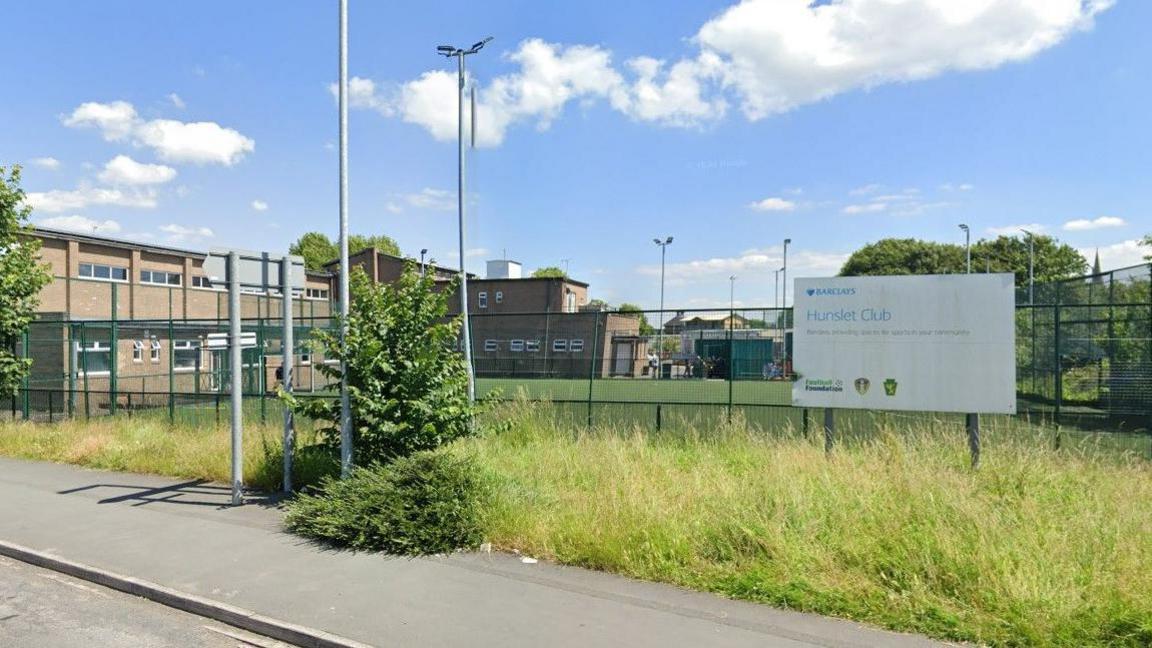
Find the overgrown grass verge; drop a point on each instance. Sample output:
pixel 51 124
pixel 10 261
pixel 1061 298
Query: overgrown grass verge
pixel 153 446
pixel 1037 548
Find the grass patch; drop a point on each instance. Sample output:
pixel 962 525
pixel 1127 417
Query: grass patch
pixel 1038 548
pixel 151 445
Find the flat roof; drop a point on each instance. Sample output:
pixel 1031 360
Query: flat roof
pixel 50 232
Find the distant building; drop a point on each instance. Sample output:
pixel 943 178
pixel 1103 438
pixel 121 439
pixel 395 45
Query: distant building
pixel 682 323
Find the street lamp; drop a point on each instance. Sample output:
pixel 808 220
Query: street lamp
pixel 1031 266
pixel 784 302
pixel 423 251
pixel 448 51
pixel 967 245
pixel 732 293
pixel 660 318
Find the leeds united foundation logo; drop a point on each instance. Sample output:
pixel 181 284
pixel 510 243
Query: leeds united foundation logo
pixel 862 385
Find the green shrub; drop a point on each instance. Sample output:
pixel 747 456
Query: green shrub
pixel 429 502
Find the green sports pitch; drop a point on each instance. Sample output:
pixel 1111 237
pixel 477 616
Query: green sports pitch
pixel 628 390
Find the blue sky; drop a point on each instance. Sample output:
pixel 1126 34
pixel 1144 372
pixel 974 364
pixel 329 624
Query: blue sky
pixel 602 125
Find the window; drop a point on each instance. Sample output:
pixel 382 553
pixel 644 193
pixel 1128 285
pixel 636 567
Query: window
pixel 185 354
pixel 516 345
pixel 559 346
pixel 94 358
pixel 491 346
pixel 576 346
pixel 106 272
pixel 532 346
pixel 499 296
pixel 201 282
pixel 154 354
pixel 571 305
pixel 483 300
pixel 316 293
pixel 306 359
pixel 137 351
pixel 160 277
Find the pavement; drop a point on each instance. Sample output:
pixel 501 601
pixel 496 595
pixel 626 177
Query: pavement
pixel 40 608
pixel 182 535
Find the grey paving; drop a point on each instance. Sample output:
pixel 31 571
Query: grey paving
pixel 42 609
pixel 181 534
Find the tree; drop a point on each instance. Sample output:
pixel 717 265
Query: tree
pixel 550 272
pixel 407 384
pixel 317 249
pixel 21 278
pixel 903 257
pixel 1147 242
pixel 1054 260
pixel 630 309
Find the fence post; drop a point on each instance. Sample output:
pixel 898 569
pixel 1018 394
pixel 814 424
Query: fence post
pixel 263 365
pixel 24 352
pixel 171 364
pixel 731 361
pixel 804 413
pixel 49 405
pixel 592 364
pixel 972 424
pixel 129 406
pixel 829 429
pixel 1059 377
pixel 658 417
pixel 113 356
pixel 84 367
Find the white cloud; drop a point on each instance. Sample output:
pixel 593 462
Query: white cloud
pixel 393 208
pixel 761 262
pixel 779 54
pixel 259 205
pixel 126 171
pixel 77 223
pixel 433 199
pixel 59 200
pixel 769 56
pixel 174 141
pixel 182 234
pixel 176 100
pixel 865 208
pixel 476 252
pixel 1118 255
pixel 1014 230
pixel 866 190
pixel 49 163
pixel 948 186
pixel 773 204
pixel 1083 224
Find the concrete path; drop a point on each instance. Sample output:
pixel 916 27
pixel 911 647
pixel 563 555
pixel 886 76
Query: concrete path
pixel 180 534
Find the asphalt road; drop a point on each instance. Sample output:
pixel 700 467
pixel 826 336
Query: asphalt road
pixel 43 609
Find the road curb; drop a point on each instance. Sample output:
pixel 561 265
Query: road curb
pixel 198 605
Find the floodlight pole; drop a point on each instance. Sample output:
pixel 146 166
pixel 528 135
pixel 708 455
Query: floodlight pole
pixel 459 53
pixel 237 364
pixel 345 298
pixel 784 269
pixel 967 246
pixel 422 269
pixel 660 318
pixel 287 362
pixel 1031 267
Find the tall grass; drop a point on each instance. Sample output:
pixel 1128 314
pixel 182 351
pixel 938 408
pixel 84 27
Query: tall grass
pixel 1037 548
pixel 152 445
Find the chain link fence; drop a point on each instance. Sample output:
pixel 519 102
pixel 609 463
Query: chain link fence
pixel 1084 358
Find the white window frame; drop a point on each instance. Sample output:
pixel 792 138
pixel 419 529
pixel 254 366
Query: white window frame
pixel 570 306
pixel 482 299
pixel 205 283
pixel 93 347
pixel 499 296
pixel 316 293
pixel 137 351
pixel 516 346
pixel 532 346
pixel 559 346
pixel 92 269
pixel 576 345
pixel 491 346
pixel 168 276
pixel 185 345
pixel 154 353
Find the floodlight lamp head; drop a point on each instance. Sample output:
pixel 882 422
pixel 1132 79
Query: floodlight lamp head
pixel 424 251
pixel 476 47
pixel 446 50
pixel 787 241
pixel 657 241
pixel 963 227
pixel 668 241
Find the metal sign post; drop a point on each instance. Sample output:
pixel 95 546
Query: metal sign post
pixel 236 352
pixel 287 360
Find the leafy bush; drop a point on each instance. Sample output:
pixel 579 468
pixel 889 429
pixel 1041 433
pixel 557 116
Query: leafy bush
pixel 407 384
pixel 429 502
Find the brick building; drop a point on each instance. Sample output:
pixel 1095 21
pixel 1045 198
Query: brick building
pixel 123 316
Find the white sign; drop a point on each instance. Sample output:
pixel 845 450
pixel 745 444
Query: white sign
pixel 937 343
pixel 220 340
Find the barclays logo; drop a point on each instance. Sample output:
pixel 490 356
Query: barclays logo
pixel 830 292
